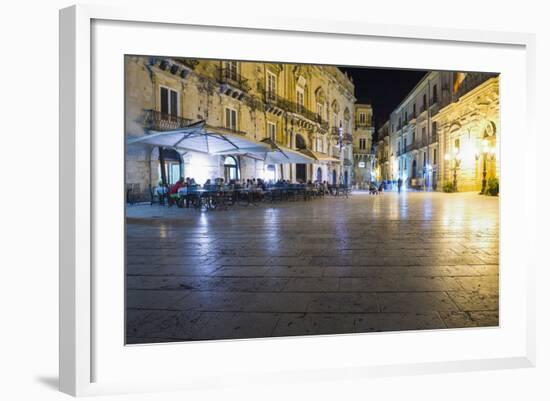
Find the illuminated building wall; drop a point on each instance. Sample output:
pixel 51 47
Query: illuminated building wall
pixel 363 172
pixel 298 106
pixel 448 123
pixel 470 132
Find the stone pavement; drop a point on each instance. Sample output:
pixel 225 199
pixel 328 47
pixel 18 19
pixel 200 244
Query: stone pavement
pixel 368 263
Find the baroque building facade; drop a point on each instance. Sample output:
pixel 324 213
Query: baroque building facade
pixel 306 108
pixel 382 155
pixel 362 146
pixel 446 130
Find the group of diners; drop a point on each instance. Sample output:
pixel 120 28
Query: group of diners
pixel 219 193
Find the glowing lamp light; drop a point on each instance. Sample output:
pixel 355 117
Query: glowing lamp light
pixel 455 151
pixel 485 146
pixel 447 157
pixel 458 156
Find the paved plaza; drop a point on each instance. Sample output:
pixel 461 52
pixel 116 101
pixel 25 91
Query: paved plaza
pixel 330 265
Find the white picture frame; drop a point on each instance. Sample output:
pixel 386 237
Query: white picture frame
pixel 82 343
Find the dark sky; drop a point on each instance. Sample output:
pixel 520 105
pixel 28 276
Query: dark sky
pixel 383 88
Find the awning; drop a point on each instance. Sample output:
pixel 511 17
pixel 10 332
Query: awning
pixel 199 137
pixel 280 154
pixel 323 157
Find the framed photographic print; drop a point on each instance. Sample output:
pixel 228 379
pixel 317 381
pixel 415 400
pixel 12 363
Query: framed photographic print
pixel 289 199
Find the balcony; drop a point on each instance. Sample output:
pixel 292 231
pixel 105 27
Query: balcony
pixel 359 151
pixel 302 111
pixel 156 121
pixel 274 103
pixel 232 83
pixel 347 138
pixel 472 80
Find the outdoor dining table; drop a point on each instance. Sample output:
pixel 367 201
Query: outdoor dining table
pixel 248 196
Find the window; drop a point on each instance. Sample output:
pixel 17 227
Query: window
pixel 413 137
pixel 406 117
pixel 424 102
pixel 435 156
pixel 319 145
pixel 424 163
pixel 231 119
pixel 232 70
pixel 434 130
pixel 271 85
pixel 230 167
pixel 300 97
pixel 362 118
pixel 320 110
pixel 168 101
pixel 434 94
pixel 362 143
pixel 404 144
pixel 414 110
pixel 424 134
pixel 272 131
pixel 399 146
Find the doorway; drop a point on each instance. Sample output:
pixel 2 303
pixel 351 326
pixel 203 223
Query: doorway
pixel 301 173
pixel 230 169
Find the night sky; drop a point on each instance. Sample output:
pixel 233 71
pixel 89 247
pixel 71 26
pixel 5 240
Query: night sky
pixel 383 88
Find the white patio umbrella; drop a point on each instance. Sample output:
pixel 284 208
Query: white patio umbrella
pixel 273 153
pixel 199 137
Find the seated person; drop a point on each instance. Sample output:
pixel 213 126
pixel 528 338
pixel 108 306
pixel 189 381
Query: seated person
pixel 173 193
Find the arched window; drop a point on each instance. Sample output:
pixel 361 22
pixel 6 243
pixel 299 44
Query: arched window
pixel 230 168
pixel 300 142
pixel 172 165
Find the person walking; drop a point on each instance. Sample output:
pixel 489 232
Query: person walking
pixel 399 185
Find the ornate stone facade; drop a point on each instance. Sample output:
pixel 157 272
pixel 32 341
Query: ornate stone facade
pixel 382 155
pixel 362 146
pixel 303 107
pixel 444 131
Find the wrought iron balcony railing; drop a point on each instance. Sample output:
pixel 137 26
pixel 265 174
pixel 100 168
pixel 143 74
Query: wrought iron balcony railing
pixel 298 108
pixel 157 121
pixel 272 99
pixel 347 138
pixel 472 80
pixel 230 77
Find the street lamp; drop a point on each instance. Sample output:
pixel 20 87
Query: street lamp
pixel 341 146
pixel 456 158
pixel 485 151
